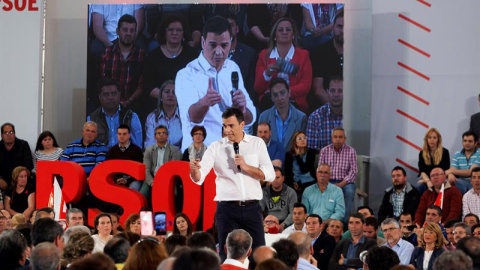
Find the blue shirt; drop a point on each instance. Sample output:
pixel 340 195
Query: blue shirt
pixel 352 249
pixel 404 251
pixel 87 156
pixel 276 150
pixel 281 125
pixel 327 204
pixel 461 162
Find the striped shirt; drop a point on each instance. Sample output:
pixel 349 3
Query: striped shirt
pixel 86 156
pixel 461 162
pixel 397 201
pixel 343 163
pixel 39 155
pixel 320 125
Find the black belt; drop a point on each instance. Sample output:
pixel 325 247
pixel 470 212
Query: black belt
pixel 242 203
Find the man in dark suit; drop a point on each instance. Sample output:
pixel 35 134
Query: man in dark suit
pixel 347 251
pixel 323 243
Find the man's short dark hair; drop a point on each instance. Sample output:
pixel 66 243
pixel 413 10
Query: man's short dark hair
pixel 450 223
pixel 357 215
pixel 12 248
pixel 105 82
pixel 381 258
pixel 405 213
pixel 278 169
pixel 399 168
pixel 371 221
pixel 174 241
pixel 470 133
pixel 47 210
pixel 287 251
pixel 471 246
pixel 475 170
pixel 127 18
pixel 472 215
pixel 8 124
pixel 202 240
pixel 453 260
pixel 233 112
pixel 266 124
pixel 300 205
pixel 45 256
pixel 197 259
pixel 339 15
pixel 238 244
pixel 276 81
pixel 435 207
pixel 328 80
pixel 217 25
pixel 117 248
pixel 365 207
pixel 315 216
pixel 45 230
pixel 73 211
pixel 161 127
pixel 124 126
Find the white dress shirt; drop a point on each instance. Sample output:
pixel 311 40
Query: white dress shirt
pixel 191 85
pixel 231 184
pixel 290 229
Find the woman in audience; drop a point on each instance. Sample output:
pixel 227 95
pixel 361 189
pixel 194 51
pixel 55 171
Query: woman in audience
pixel 286 60
pixel 20 198
pixel 146 254
pixel 47 149
pixel 300 164
pixel 432 155
pixel 133 224
pixel 116 226
pixel 165 114
pixel 197 148
pixel 102 232
pixel 432 244
pixel 18 219
pixel 79 245
pixel 182 225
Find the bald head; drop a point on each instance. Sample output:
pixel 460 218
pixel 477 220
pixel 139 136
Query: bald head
pixel 303 242
pixel 263 253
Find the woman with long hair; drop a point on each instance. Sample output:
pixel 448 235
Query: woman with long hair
pixel 432 155
pixel 146 254
pixel 46 149
pixel 300 164
pixel 102 231
pixel 133 224
pixel 20 198
pixel 284 59
pixel 166 114
pixel 432 243
pixel 182 225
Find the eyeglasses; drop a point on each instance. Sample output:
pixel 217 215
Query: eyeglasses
pixel 389 229
pixel 109 94
pixel 301 138
pixel 476 233
pixel 436 174
pixel 324 172
pixel 8 132
pixel 270 222
pixel 161 133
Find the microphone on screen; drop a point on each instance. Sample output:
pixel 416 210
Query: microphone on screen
pixel 234 83
pixel 237 151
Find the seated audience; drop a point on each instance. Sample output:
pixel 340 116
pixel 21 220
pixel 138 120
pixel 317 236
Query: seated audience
pixel 370 230
pixel 133 224
pixel 13 250
pixel 182 225
pixel 278 200
pixel 48 230
pixel 471 247
pixel 238 247
pixel 299 215
pixel 73 230
pixel 201 240
pixel 263 253
pixel 271 224
pixel 304 247
pixel 18 219
pixel 393 235
pixel 471 219
pixel 46 149
pixel 196 259
pixel 275 149
pixel 116 226
pixel 287 252
pixel 471 199
pixel 461 230
pixel 476 230
pixel 432 245
pixel 173 242
pixel 197 148
pixel 380 258
pixel 272 264
pixel 75 217
pixel 97 261
pixel 102 231
pixel 117 249
pixel 322 242
pixel 335 229
pixel 453 260
pixel 45 212
pixel 45 256
pixel 449 231
pixel 146 254
pixel 20 198
pixel 80 245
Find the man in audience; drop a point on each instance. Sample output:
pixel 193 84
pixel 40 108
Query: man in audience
pixel 87 151
pixel 407 225
pixel 48 230
pixel 271 224
pixel 471 199
pixel 110 115
pixel 452 198
pixel 347 251
pixel 124 150
pixel 370 230
pixel 283 117
pixel 461 230
pixel 342 160
pixel 45 212
pixel 201 97
pixel 322 243
pixel 329 116
pixel 324 198
pixel 304 247
pixel 393 235
pixel 274 148
pixel 453 260
pixel 449 231
pixel 45 256
pixel 471 219
pixel 157 155
pixel 73 230
pixel 299 216
pixel 117 249
pixel 238 248
pixel 380 258
pixel 263 253
pixel 335 229
pixel 14 152
pixel 278 200
pixel 75 217
pixel 400 197
pixel 471 247
pixel 463 161
pixel 365 211
pixel 13 250
pixel 124 63
pixel 287 252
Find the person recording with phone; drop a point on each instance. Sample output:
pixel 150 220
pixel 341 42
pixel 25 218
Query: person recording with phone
pixel 205 88
pixel 239 170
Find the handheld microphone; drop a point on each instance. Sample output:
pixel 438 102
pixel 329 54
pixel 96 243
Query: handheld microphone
pixel 234 83
pixel 237 151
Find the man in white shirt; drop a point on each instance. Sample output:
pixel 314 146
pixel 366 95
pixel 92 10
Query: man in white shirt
pixel 204 86
pixel 240 161
pixel 299 215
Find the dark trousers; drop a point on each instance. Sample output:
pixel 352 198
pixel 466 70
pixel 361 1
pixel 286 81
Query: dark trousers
pixel 230 217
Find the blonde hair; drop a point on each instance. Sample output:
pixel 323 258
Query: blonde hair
pixel 18 219
pixel 437 155
pixel 435 228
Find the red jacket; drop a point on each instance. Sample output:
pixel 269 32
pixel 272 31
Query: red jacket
pixel 299 84
pixel 230 267
pixel 452 204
